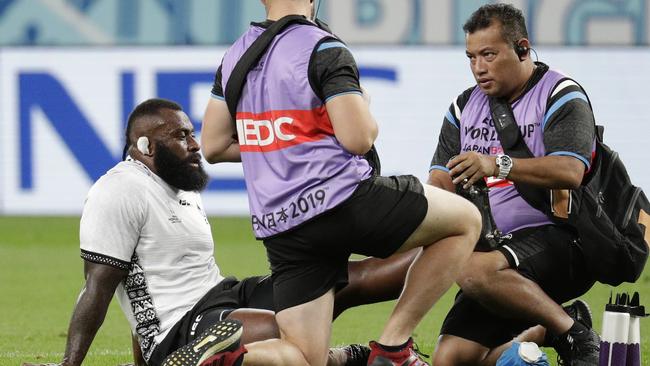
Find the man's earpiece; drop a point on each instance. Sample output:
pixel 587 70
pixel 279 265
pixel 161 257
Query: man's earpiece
pixel 520 50
pixel 143 145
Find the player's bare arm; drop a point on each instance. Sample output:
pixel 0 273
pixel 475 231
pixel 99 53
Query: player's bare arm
pixel 354 126
pixel 441 179
pixel 89 313
pixel 555 172
pixel 218 137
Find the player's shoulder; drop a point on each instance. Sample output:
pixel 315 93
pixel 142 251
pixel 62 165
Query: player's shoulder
pixel 463 98
pixel 126 179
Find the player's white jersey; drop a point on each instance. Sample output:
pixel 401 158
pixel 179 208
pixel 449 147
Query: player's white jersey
pixel 133 220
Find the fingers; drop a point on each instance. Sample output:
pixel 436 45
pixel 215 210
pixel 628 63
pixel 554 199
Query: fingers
pixel 468 168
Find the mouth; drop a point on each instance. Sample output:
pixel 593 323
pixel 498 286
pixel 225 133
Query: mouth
pixel 195 161
pixel 484 83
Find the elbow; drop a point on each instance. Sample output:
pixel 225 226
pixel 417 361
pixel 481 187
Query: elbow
pixel 575 177
pixel 210 155
pixel 211 159
pixel 574 182
pixel 360 143
pixel 358 146
pixel 569 180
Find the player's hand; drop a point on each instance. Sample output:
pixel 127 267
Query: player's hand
pixel 467 168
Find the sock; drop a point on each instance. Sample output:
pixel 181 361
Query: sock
pixel 240 359
pixel 394 348
pixel 550 338
pixel 577 329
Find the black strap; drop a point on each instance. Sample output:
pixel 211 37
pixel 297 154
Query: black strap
pixel 252 56
pixel 514 145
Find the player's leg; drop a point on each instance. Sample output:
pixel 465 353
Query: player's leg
pixel 305 332
pixel 456 351
pixel 472 335
pixel 488 277
pixel 304 337
pixel 448 233
pixel 528 278
pixel 374 280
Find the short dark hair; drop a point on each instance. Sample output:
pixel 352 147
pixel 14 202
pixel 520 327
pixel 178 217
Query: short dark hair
pixel 512 21
pixel 150 107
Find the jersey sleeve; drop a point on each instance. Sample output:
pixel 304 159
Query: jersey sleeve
pixel 111 222
pixel 333 70
pixel 217 88
pixel 568 123
pixel 449 138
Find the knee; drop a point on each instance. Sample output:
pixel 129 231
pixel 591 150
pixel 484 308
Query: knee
pixel 443 359
pixel 259 325
pixel 475 279
pixel 471 223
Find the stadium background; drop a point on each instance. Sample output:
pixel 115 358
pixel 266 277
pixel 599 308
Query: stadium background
pixel 71 70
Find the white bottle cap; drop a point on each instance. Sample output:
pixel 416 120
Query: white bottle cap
pixel 529 352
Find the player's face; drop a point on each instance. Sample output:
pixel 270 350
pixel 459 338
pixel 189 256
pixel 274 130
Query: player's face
pixel 176 156
pixel 178 135
pixel 493 61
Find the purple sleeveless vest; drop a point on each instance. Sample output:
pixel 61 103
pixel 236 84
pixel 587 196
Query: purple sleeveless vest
pixel 511 212
pixel 294 167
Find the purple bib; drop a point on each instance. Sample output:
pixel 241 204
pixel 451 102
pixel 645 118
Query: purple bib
pixel 295 168
pixel 477 133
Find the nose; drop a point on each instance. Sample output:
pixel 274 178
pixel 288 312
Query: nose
pixel 479 66
pixel 193 144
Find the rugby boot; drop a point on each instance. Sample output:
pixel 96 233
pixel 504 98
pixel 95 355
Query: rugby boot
pixel 580 346
pixel 218 340
pixel 407 355
pixel 580 311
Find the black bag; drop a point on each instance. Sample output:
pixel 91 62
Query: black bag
pixel 479 194
pixel 611 217
pixel 609 213
pixel 253 55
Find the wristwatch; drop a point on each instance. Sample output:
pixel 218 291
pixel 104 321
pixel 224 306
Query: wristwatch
pixel 504 163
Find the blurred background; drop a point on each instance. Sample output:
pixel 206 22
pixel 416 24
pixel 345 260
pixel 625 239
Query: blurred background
pixel 72 70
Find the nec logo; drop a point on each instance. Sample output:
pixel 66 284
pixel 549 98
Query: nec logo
pixel 263 132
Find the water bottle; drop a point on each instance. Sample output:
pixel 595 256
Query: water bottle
pixel 637 311
pixel 523 354
pixel 616 327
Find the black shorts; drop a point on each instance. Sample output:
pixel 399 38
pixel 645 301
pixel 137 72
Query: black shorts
pixel 216 305
pixel 547 255
pixel 376 220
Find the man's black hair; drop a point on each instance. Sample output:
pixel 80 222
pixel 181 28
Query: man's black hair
pixel 150 107
pixel 512 21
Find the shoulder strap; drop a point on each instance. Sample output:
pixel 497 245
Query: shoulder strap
pixel 252 56
pixel 514 145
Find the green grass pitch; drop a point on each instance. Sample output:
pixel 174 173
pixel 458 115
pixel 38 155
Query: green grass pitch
pixel 41 275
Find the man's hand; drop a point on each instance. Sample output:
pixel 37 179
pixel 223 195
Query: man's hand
pixel 467 168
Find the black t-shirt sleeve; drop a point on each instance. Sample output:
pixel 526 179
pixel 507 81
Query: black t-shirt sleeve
pixel 448 141
pixel 333 70
pixel 569 123
pixel 217 89
pixel 449 138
